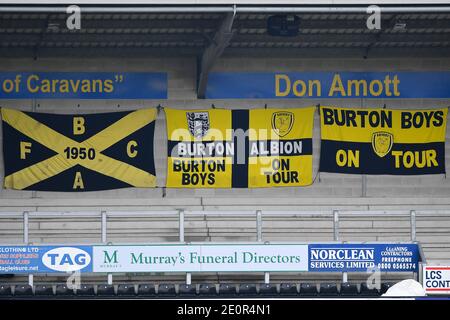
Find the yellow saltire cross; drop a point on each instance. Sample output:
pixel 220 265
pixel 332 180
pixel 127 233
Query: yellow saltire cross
pixel 58 142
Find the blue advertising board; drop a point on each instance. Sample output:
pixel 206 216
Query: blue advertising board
pixel 83 85
pixel 45 259
pixel 281 85
pixel 361 257
pixel 299 257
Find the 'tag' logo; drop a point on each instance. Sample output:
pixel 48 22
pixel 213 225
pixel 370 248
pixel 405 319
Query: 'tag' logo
pixel 66 259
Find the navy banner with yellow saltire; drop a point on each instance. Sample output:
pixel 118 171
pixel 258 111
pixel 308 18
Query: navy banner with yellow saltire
pixel 83 152
pixel 383 141
pixel 219 148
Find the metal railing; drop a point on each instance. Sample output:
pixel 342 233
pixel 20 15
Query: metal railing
pixel 258 214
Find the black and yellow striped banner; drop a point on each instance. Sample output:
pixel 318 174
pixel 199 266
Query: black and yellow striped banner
pixel 53 152
pixel 383 141
pixel 219 148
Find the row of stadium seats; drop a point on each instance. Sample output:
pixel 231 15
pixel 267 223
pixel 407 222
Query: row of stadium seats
pixel 203 290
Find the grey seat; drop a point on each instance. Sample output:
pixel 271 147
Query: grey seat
pixel 126 290
pixel 43 290
pixel 166 290
pixel 5 291
pixel 349 289
pixel 328 290
pixel 85 290
pixel 187 290
pixel 63 291
pixel 288 289
pixel 227 290
pixel 23 290
pixel 308 290
pixel 105 290
pixel 247 290
pixel 207 290
pixel 146 290
pixel 268 290
pixel 368 292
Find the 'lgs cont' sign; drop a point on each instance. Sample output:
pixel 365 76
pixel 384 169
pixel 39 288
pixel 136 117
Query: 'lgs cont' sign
pixel 436 279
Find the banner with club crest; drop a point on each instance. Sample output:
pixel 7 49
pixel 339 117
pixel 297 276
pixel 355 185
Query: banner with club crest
pixel 218 148
pixel 280 147
pixel 383 141
pixel 82 152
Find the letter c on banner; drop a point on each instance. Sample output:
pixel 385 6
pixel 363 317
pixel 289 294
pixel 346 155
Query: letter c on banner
pixel 131 149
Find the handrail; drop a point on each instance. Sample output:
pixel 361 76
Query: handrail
pixel 335 215
pixel 225 9
pixel 62 214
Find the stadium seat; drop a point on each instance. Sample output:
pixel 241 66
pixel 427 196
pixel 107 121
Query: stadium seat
pixel 288 289
pixel 126 290
pixel 23 290
pixel 85 290
pixel 227 290
pixel 5 291
pixel 268 290
pixel 187 290
pixel 207 290
pixel 368 292
pixel 247 290
pixel 7 275
pixel 328 290
pixel 349 289
pixel 166 290
pixel 146 290
pixel 62 290
pixel 308 290
pixel 385 287
pixel 43 290
pixel 105 290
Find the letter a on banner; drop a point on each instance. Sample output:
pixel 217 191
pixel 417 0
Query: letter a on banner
pixel 383 141
pixel 50 152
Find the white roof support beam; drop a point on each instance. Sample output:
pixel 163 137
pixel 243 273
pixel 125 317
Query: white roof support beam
pixel 220 41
